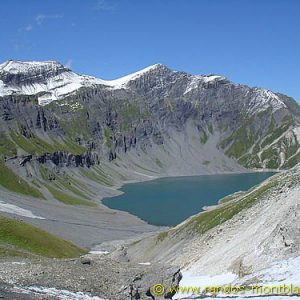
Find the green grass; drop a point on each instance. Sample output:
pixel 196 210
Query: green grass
pixel 159 163
pixel 17 237
pixel 292 161
pixel 250 161
pixel 242 140
pixel 210 128
pixel 130 112
pixel 245 137
pixel 79 184
pixel 65 182
pixel 276 133
pixel 35 145
pixel 162 236
pixel 97 176
pixel 68 185
pixel 143 168
pixel 272 157
pixel 44 172
pixel 7 147
pixel 103 177
pixel 68 199
pixel 77 125
pixel 14 183
pixel 203 137
pixel 232 197
pixel 291 148
pixel 135 243
pixel 28 145
pixel 108 134
pixel 72 147
pixel 211 218
pixel 7 250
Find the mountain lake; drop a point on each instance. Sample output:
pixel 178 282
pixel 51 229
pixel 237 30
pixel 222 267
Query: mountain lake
pixel 169 201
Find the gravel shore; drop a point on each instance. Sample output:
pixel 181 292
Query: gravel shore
pixel 86 277
pixel 84 226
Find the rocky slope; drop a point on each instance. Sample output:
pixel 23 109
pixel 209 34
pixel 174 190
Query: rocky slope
pixel 67 140
pixel 250 240
pixel 88 278
pixel 73 139
pixel 245 235
pixel 155 121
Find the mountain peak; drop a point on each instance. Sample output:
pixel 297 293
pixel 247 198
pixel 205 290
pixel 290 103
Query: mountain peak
pixel 23 67
pixel 56 81
pixel 158 66
pixel 123 81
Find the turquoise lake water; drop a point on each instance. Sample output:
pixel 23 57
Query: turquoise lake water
pixel 169 201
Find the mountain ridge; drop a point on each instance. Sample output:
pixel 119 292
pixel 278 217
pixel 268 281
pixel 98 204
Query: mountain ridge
pixel 59 159
pixel 56 124
pixel 17 67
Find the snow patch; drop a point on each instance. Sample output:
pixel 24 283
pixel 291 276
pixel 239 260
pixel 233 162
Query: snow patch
pixel 17 67
pixel 66 82
pixel 210 78
pixel 191 280
pixel 58 86
pixel 263 100
pixel 16 210
pixel 193 84
pixel 279 273
pixel 145 263
pixel 297 133
pixel 123 81
pixel 60 294
pixel 99 252
pixel 145 175
pixel 198 79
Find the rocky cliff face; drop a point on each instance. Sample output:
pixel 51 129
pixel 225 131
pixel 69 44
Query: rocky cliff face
pixel 156 121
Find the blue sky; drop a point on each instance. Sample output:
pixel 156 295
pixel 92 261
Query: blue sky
pixel 255 42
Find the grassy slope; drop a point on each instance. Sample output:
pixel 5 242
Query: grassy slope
pixel 97 175
pixel 68 199
pixel 35 145
pixel 11 251
pixel 211 218
pixel 233 204
pixel 18 238
pixel 245 138
pixel 7 147
pixel 61 184
pixel 13 182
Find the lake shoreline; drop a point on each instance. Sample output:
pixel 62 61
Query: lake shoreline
pixel 118 188
pixel 128 184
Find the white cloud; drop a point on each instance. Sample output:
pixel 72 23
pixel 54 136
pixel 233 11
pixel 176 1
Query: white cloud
pixel 38 20
pixel 69 63
pixel 16 47
pixel 104 5
pixel 41 18
pixel 28 27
